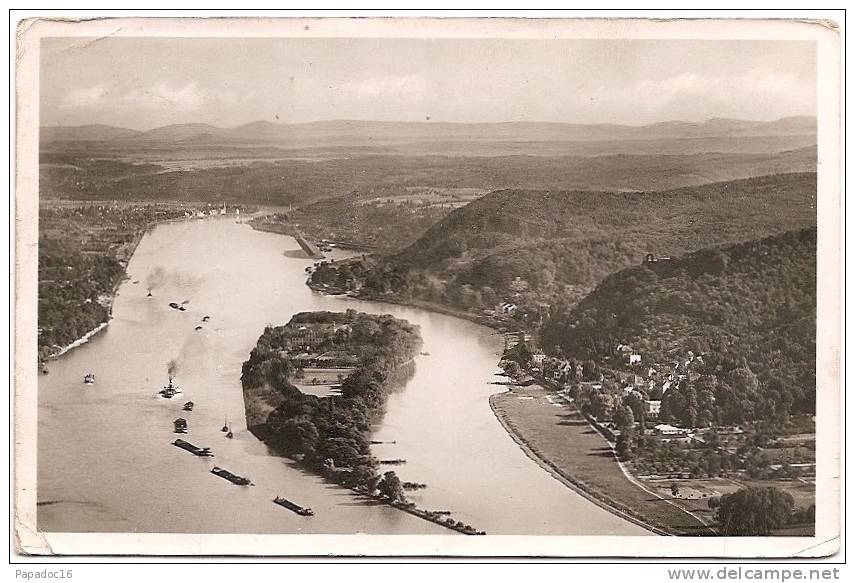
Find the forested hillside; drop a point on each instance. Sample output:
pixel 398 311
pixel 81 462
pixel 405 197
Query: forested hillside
pixel 561 244
pixel 749 311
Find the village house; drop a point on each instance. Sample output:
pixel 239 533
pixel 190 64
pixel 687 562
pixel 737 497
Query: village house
pixel 652 408
pixel 519 284
pixel 512 339
pixel 665 429
pixel 310 336
pixel 507 308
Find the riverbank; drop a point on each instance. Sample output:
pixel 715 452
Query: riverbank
pixel 492 323
pixel 81 341
pixel 557 437
pixel 78 236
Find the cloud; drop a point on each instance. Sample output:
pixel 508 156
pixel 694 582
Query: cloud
pixel 755 85
pixel 175 96
pixel 86 96
pixel 411 86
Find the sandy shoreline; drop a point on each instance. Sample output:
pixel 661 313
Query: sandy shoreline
pixel 80 341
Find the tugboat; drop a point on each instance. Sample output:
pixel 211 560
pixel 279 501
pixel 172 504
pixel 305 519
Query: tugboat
pixel 233 478
pixel 285 503
pixel 199 451
pixel 170 390
pixel 180 425
pixel 89 379
pixel 188 406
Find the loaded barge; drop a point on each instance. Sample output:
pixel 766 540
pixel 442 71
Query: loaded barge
pixel 285 503
pixel 233 478
pixel 200 451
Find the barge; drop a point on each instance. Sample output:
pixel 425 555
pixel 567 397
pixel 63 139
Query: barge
pixel 233 478
pixel 199 451
pixel 395 462
pixel 285 503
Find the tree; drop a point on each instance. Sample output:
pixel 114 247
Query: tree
pixel 754 511
pixel 390 487
pixel 364 476
pixel 675 489
pixel 590 371
pixel 623 446
pixel 744 381
pixel 623 418
pixel 635 401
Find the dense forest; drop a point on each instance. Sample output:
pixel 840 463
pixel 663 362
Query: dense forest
pixel 749 311
pixel 330 434
pixel 561 244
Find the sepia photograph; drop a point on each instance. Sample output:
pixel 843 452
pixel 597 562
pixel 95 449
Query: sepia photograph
pixel 299 286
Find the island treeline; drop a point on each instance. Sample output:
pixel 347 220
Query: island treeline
pixel 331 434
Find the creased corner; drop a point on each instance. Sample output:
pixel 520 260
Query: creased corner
pixel 29 541
pixel 826 548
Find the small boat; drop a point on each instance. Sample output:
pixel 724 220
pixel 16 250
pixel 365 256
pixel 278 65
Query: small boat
pixel 225 428
pixel 188 406
pixel 198 328
pixel 285 503
pixel 149 294
pixel 206 318
pixel 199 451
pixel 230 435
pixel 170 390
pixel 174 305
pixel 425 353
pixel 89 379
pixel 233 478
pixel 182 309
pixel 180 425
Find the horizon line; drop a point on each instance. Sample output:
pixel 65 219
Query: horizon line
pixel 429 122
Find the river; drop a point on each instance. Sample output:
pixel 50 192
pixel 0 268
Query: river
pixel 105 463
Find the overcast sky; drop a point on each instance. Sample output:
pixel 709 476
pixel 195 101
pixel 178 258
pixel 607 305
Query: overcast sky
pixel 143 83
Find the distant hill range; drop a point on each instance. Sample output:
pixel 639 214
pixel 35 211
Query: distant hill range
pixel 560 244
pixel 793 131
